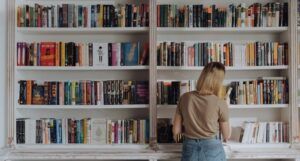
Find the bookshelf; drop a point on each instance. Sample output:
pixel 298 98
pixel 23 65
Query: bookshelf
pixel 152 73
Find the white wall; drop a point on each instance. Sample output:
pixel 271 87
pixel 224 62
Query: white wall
pixel 2 71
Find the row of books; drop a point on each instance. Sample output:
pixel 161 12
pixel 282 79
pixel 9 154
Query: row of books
pixel 261 91
pixel 228 53
pixel 82 54
pixel 85 92
pixel 165 132
pixel 264 90
pixel 168 92
pixel 265 132
pixel 256 15
pixel 71 15
pixel 81 131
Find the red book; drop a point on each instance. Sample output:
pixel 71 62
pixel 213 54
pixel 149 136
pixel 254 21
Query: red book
pixel 48 53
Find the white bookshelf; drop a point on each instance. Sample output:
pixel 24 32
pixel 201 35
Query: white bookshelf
pixel 275 112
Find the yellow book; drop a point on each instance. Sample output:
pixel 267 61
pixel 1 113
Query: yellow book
pixel 122 16
pixel 73 93
pixel 62 54
pixel 275 56
pixel 101 16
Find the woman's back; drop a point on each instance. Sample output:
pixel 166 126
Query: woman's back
pixel 201 114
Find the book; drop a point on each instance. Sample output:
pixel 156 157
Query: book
pixel 100 54
pixel 84 92
pixel 82 54
pixel 227 53
pixel 130 54
pixel 81 131
pixel 272 14
pixel 47 53
pixel 77 15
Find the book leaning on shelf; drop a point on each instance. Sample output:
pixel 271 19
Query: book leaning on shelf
pixel 82 131
pixel 255 15
pixel 265 90
pixel 82 54
pixel 87 16
pixel 228 53
pixel 85 92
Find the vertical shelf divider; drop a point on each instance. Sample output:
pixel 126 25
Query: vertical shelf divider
pixel 152 74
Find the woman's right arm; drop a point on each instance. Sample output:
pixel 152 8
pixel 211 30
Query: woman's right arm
pixel 225 130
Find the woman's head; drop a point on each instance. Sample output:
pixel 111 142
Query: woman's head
pixel 211 79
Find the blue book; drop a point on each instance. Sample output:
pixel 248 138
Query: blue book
pixel 58 137
pixel 130 53
pixel 196 55
pixel 78 131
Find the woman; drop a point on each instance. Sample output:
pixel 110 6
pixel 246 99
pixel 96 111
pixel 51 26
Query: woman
pixel 203 114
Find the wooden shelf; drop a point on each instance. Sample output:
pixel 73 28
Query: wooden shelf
pixel 82 68
pixel 115 30
pixel 275 106
pixel 191 30
pixel 80 107
pixel 251 68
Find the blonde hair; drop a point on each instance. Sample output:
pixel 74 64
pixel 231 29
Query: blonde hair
pixel 211 79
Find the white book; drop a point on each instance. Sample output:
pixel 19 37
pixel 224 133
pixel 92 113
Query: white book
pixel 277 132
pixel 246 132
pixel 98 131
pixel 123 131
pixel 63 131
pixel 118 49
pixel 113 132
pixel 100 54
pixel 190 15
pixel 119 131
pixel 89 131
pixel 56 9
pixel 30 131
pixel 89 20
pixel 260 132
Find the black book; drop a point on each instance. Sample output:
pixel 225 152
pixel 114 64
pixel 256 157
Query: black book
pixel 22 93
pixel 110 54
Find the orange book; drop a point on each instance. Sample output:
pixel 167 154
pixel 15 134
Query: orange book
pixel 62 54
pixel 57 55
pixel 275 56
pixel 47 54
pixel 252 57
pixel 227 55
pixel 28 92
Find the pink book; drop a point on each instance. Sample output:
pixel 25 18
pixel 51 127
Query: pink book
pixel 114 54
